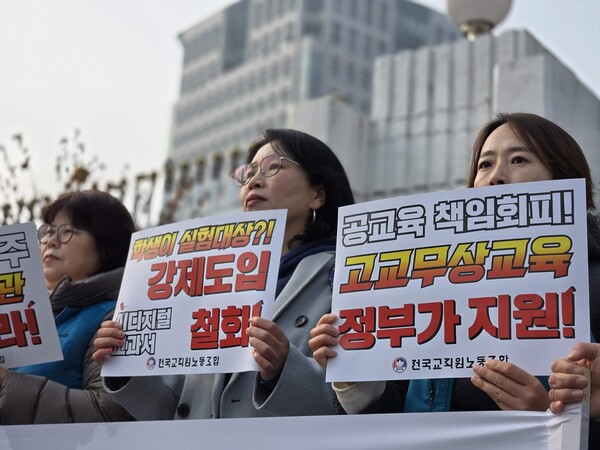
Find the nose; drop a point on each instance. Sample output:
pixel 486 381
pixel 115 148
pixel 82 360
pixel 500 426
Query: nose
pixel 498 175
pixel 255 180
pixel 52 240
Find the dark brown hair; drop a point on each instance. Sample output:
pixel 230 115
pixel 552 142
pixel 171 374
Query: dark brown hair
pixel 103 216
pixel 322 167
pixel 555 148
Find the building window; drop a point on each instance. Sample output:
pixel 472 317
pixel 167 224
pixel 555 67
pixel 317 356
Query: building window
pixel 264 74
pixel 287 67
pixel 169 175
pixel 369 12
pixel 353 9
pixel 200 170
pixel 275 72
pixel 367 46
pixel 366 106
pixel 336 33
pixel 352 40
pixel 252 50
pixel 257 12
pixel 313 5
pixel 217 167
pixel 350 73
pixel 270 9
pixel 366 79
pixel 278 8
pixel 384 13
pixel 335 66
pixel 284 6
pixel 289 32
pixel 275 41
pixel 235 159
pixel 264 43
pixel 311 29
pixel 184 177
pixel 284 95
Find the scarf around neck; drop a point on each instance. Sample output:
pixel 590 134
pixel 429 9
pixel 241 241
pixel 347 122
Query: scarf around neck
pixel 290 260
pixel 94 289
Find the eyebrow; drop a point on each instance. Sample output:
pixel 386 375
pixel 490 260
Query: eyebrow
pixel 510 150
pixel 264 157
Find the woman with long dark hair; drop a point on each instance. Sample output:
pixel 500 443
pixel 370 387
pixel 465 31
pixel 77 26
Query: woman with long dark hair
pixel 512 148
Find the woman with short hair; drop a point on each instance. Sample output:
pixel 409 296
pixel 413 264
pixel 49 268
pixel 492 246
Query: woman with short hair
pixel 85 235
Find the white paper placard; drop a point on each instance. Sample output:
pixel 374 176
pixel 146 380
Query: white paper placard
pixel 188 292
pixel 27 328
pixel 428 285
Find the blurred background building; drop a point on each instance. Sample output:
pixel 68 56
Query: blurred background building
pixel 429 104
pixel 246 67
pixel 390 85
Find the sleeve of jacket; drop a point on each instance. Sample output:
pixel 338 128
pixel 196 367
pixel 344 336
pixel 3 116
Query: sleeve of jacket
pixel 314 396
pixel 147 398
pixel 31 399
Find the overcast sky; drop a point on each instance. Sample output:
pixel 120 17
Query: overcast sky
pixel 111 69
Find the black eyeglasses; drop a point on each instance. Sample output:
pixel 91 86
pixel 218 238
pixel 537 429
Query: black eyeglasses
pixel 269 166
pixel 64 233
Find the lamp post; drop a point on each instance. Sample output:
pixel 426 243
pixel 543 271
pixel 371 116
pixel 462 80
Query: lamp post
pixel 477 17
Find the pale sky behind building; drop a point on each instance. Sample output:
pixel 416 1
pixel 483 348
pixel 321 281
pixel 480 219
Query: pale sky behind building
pixel 111 69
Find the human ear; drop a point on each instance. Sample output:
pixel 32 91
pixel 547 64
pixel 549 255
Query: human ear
pixel 319 198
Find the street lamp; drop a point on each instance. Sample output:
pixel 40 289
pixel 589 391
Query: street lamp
pixel 476 17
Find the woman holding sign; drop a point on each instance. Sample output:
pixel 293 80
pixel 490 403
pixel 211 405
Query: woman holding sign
pixel 86 236
pixel 515 148
pixel 285 169
pixel 512 148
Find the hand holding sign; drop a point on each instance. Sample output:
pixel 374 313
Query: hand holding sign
pixel 270 346
pixel 324 337
pixel 510 387
pixel 109 336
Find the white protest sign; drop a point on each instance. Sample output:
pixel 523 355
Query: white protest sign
pixel 426 286
pixel 189 290
pixel 27 328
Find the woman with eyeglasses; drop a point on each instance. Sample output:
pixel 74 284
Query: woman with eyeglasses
pixel 85 239
pixel 285 169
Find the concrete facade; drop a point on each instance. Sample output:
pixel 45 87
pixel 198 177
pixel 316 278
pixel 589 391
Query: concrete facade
pixel 247 66
pixel 429 104
pixel 426 104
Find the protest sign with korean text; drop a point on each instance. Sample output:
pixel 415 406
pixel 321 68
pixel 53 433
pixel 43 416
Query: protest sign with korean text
pixel 27 328
pixel 189 291
pixel 426 286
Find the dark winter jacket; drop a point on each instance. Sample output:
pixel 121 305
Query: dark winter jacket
pixel 70 390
